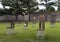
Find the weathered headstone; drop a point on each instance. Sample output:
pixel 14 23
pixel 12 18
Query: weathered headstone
pixel 40 34
pixel 52 26
pixel 25 26
pixel 10 30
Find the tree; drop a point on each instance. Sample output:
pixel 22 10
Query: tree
pixel 58 5
pixel 42 20
pixel 23 7
pixel 28 8
pixel 42 12
pixel 51 9
pixel 48 9
pixel 11 11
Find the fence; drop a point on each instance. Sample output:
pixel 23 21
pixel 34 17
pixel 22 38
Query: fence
pixel 21 18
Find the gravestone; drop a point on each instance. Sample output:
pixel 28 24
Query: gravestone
pixel 40 34
pixel 10 30
pixel 25 26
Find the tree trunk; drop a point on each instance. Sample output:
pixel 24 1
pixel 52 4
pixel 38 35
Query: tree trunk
pixel 25 21
pixel 29 17
pixel 16 17
pixel 53 20
pixel 42 22
pixel 42 25
pixel 46 17
pixel 34 21
pixel 12 22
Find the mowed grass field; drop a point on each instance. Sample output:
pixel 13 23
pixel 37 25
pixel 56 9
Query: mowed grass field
pixel 29 35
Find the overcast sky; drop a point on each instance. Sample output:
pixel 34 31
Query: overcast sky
pixel 1 5
pixel 39 6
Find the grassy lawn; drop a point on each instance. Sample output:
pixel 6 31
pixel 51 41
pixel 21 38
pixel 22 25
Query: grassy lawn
pixel 21 35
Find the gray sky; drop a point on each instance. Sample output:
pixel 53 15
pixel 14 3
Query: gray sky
pixel 39 6
pixel 0 0
pixel 1 6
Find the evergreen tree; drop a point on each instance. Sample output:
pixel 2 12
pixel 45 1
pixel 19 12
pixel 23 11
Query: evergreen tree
pixel 51 11
pixel 22 7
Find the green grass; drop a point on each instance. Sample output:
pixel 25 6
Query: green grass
pixel 21 35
